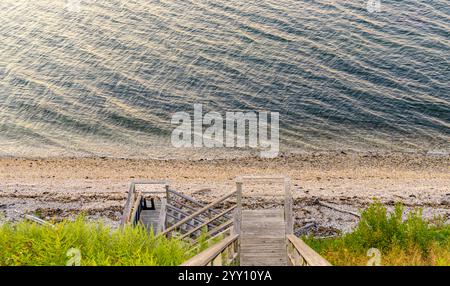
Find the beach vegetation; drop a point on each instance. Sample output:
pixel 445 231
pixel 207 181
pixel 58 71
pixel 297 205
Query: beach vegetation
pixel 86 243
pixel 398 237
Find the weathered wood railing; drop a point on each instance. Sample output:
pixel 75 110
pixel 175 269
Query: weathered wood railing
pixel 136 209
pixel 287 195
pixel 222 253
pixel 180 206
pixel 162 220
pixel 226 252
pixel 176 207
pixel 191 226
pixel 300 254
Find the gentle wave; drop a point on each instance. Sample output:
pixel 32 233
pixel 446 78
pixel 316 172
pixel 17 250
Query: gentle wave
pixel 105 80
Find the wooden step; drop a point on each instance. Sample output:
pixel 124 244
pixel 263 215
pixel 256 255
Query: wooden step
pixel 150 218
pixel 263 238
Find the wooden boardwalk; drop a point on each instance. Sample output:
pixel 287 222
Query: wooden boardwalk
pixel 263 238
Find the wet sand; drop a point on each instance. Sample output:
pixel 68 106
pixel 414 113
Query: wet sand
pixel 56 188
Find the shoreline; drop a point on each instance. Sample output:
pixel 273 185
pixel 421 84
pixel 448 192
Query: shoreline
pixel 239 154
pixel 56 187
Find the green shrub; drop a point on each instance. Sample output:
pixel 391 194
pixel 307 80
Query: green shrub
pixel 412 240
pixel 27 243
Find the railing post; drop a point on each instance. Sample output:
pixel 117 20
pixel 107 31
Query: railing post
pixel 162 216
pixel 128 205
pixel 238 211
pixel 238 216
pixel 167 194
pixel 288 212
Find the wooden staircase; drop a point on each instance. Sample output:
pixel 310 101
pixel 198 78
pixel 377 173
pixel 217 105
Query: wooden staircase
pixel 262 237
pixel 168 212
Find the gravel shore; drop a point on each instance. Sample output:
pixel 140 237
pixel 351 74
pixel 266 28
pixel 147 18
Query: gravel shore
pixel 56 188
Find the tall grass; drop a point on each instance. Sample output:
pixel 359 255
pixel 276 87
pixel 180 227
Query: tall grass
pixel 409 241
pixel 27 243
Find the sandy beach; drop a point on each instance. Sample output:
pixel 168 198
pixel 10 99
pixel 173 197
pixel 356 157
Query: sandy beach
pixel 56 188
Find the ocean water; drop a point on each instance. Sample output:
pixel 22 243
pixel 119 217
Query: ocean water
pixel 104 77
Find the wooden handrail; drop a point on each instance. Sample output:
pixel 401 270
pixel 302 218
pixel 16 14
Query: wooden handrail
pixel 162 216
pixel 209 255
pixel 182 205
pixel 187 198
pixel 127 208
pixel 185 214
pixel 223 232
pixel 178 210
pixel 305 254
pixel 175 217
pixel 135 208
pixel 209 221
pixel 217 229
pixel 195 214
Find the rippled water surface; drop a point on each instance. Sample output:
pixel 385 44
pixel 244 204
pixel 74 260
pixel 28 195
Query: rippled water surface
pixel 105 79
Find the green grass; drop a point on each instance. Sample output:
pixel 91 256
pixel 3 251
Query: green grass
pixel 27 243
pixel 410 241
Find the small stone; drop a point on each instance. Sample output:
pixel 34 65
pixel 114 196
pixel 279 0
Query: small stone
pixel 445 203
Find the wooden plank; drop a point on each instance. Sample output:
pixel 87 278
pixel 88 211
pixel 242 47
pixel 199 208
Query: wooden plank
pixel 197 213
pixel 216 229
pixel 174 208
pixel 127 209
pixel 167 195
pixel 189 199
pixel 339 209
pixel 207 256
pixel 237 218
pixel 180 212
pixel 288 212
pixel 208 221
pixel 189 223
pixel 182 205
pixel 135 207
pixel 199 220
pixel 162 216
pixel 311 257
pixel 238 213
pixel 263 238
pixel 185 197
pixel 223 232
pixel 165 183
pixel 150 218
